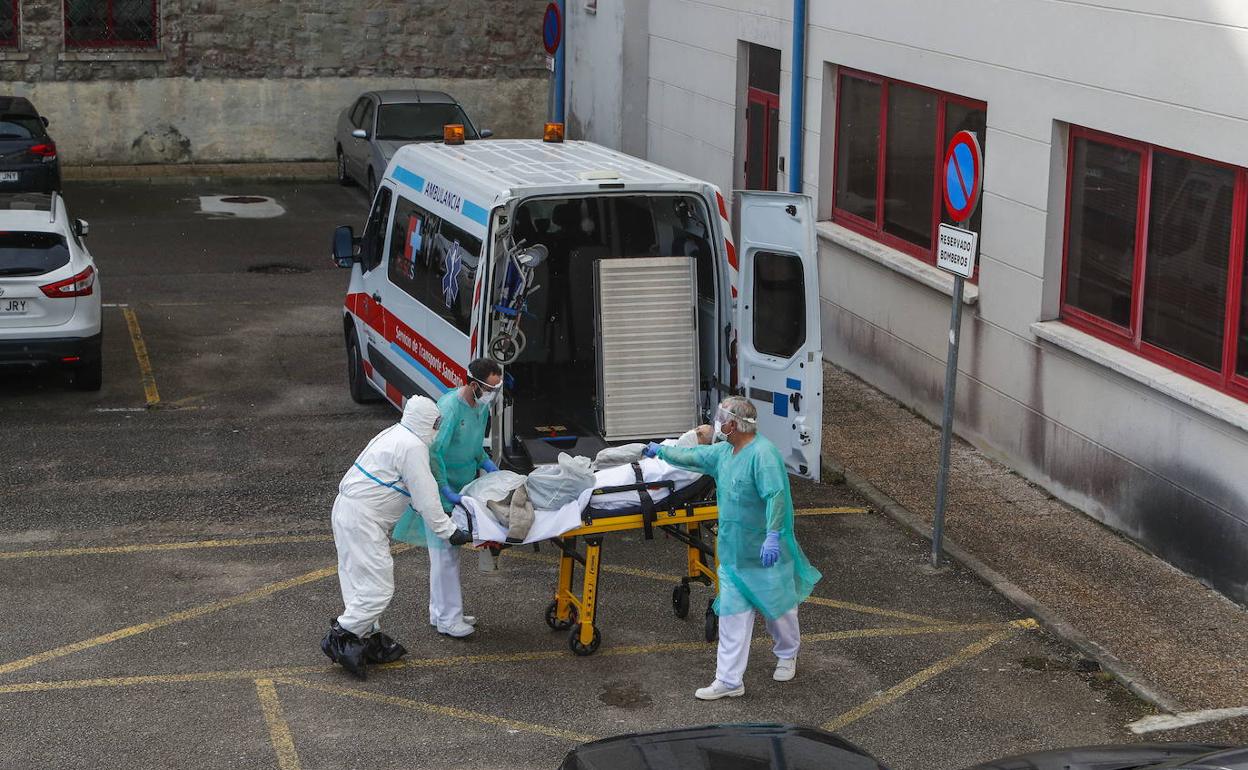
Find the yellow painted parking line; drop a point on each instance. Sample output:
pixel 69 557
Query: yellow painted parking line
pixel 459 661
pixel 910 683
pixel 153 547
pixel 279 731
pixel 865 609
pixel 140 353
pixel 176 617
pixel 167 620
pixel 433 709
pixel 830 511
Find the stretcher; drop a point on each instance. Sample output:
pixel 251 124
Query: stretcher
pixel 688 515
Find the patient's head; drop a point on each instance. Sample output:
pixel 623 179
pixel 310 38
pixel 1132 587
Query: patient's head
pixel 706 434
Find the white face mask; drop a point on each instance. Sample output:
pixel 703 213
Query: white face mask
pixel 486 397
pixel 719 433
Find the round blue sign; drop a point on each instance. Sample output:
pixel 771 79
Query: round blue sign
pixel 963 175
pixel 552 29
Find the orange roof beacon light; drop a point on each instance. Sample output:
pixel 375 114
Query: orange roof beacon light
pixel 453 133
pixel 553 132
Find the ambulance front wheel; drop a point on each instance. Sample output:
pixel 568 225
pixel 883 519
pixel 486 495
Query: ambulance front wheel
pixel 357 380
pixel 680 601
pixel 552 617
pixel 574 641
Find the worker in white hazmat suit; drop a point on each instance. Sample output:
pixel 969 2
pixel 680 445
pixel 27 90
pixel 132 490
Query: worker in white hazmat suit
pixel 391 473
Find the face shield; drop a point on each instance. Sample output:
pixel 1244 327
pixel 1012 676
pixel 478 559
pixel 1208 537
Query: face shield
pixel 723 417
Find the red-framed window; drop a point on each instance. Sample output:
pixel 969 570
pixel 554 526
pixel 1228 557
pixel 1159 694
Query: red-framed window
pixel 112 23
pixel 1154 255
pixel 890 143
pixel 762 139
pixel 10 23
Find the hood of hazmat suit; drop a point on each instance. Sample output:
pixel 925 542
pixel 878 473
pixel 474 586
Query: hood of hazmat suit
pixel 752 489
pixel 419 416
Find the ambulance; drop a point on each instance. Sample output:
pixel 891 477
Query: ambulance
pixel 615 293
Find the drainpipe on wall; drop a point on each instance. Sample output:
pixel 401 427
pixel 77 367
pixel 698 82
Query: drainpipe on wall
pixel 797 110
pixel 559 60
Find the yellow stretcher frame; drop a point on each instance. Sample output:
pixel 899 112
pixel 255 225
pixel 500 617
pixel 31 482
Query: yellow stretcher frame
pixel 691 524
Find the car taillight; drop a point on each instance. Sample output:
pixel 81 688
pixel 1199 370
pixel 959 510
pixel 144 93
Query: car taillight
pixel 76 286
pixel 46 151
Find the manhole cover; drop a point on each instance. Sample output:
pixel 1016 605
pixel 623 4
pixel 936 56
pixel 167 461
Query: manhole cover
pixel 243 199
pixel 278 268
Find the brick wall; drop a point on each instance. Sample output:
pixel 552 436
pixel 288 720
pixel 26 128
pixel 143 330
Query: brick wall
pixel 279 61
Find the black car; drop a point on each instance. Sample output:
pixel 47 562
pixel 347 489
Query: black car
pixel 28 161
pixel 723 747
pixel 790 747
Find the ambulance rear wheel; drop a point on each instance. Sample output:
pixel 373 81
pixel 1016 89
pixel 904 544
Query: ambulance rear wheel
pixel 574 641
pixel 712 622
pixel 680 601
pixel 552 618
pixel 361 392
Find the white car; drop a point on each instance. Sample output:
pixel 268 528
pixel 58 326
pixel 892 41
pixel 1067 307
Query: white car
pixel 49 289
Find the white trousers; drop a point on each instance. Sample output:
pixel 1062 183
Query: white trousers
pixel 365 566
pixel 446 597
pixel 735 632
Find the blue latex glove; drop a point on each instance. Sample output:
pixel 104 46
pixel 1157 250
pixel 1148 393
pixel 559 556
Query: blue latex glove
pixel 770 553
pixel 488 466
pixel 451 494
pixel 651 450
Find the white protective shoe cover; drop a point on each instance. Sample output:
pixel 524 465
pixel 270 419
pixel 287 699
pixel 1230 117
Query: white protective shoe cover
pixel 458 630
pixel 786 669
pixel 718 690
pixel 469 619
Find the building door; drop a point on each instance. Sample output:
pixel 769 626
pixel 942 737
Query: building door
pixel 762 118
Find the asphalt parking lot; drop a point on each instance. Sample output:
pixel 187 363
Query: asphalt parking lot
pixel 169 570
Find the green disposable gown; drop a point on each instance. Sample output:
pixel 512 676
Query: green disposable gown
pixel 754 498
pixel 456 457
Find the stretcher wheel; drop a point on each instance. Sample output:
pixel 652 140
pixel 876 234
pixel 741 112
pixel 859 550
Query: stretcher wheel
pixel 554 622
pixel 574 641
pixel 680 600
pixel 712 622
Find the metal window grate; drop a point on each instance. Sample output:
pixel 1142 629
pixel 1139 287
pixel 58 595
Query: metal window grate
pixel 10 22
pixel 111 23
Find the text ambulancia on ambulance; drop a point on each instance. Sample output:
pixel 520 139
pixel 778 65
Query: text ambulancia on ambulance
pixel 611 290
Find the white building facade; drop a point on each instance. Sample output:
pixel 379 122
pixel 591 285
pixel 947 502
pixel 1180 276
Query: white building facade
pixel 1105 337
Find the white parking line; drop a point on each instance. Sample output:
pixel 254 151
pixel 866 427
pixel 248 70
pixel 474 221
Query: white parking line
pixel 1184 719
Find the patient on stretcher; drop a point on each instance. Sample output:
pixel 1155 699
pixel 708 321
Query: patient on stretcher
pixel 503 513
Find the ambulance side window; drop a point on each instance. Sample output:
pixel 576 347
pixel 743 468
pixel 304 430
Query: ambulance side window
pixel 434 262
pixel 374 239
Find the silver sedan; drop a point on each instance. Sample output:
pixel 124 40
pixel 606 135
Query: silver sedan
pixel 378 123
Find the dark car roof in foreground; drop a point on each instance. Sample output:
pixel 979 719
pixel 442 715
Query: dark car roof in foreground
pixel 17 105
pixel 414 97
pixel 721 746
pixel 1126 757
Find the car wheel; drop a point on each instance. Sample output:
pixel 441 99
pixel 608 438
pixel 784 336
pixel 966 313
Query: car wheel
pixel 344 178
pixel 361 391
pixel 89 375
pixel 372 185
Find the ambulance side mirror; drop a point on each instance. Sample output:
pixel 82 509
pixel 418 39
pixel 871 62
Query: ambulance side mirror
pixel 344 250
pixel 485 133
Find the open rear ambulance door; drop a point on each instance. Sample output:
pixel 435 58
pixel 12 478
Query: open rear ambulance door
pixel 779 340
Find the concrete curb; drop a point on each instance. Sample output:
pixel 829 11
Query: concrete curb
pixel 1051 620
pixel 183 172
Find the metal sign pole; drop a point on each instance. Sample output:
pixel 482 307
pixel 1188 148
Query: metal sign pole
pixel 946 420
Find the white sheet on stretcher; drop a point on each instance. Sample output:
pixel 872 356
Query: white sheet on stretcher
pixel 548 524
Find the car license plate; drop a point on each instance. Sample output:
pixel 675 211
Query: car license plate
pixel 8 176
pixel 12 306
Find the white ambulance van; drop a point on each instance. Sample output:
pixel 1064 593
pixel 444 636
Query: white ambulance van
pixel 611 289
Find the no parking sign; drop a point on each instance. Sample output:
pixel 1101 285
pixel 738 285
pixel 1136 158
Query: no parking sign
pixel 963 181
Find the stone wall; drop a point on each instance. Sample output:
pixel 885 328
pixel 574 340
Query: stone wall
pixel 265 79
